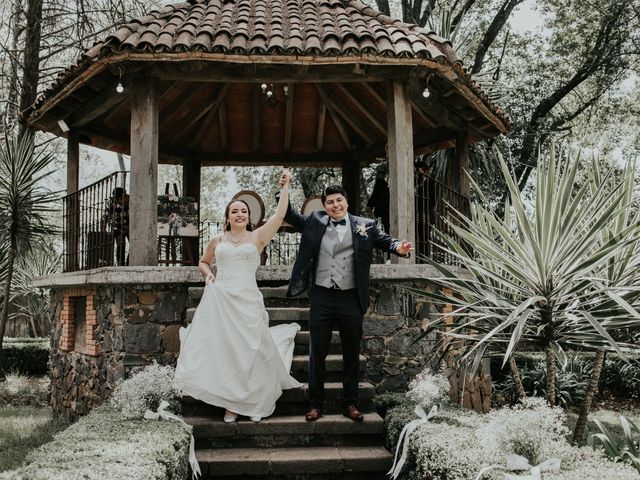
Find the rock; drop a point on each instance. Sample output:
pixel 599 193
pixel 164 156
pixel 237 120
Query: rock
pixel 141 338
pixel 147 298
pixel 379 326
pixel 388 302
pixel 374 345
pixel 140 315
pixel 170 307
pixel 171 338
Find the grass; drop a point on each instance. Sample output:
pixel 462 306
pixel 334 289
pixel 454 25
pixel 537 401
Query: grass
pixel 25 418
pixel 608 418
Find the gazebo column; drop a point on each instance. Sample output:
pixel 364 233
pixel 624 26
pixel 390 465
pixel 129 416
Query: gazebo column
pixel 457 178
pixel 351 183
pixel 191 180
pixel 400 151
pixel 143 214
pixel 73 214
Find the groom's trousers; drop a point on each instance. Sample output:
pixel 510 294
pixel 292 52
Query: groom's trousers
pixel 331 307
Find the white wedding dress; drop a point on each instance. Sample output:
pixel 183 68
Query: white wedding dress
pixel 229 357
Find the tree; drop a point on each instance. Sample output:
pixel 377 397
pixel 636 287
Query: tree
pixel 535 280
pixel 24 204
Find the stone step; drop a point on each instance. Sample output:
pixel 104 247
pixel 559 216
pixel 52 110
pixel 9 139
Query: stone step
pixel 294 401
pixel 273 297
pixel 333 367
pixel 295 463
pixel 277 315
pixel 302 343
pixel 287 431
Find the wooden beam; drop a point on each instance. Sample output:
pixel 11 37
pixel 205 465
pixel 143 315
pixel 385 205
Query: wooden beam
pixel 351 183
pixel 362 109
pixel 462 155
pixel 256 118
pixel 288 120
pixel 400 151
pixel 339 111
pixel 107 100
pixel 369 88
pixel 422 139
pixel 336 120
pixel 422 115
pixel 72 211
pixel 322 119
pixel 223 126
pixel 212 102
pixel 315 159
pixel 191 181
pixel 185 97
pixel 144 172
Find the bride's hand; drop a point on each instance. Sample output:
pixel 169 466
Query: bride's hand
pixel 209 279
pixel 285 178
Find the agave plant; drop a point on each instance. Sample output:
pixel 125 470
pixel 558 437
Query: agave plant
pixel 536 279
pixel 24 203
pixel 627 449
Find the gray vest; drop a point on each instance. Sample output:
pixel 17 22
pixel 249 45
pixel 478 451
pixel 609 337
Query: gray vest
pixel 335 261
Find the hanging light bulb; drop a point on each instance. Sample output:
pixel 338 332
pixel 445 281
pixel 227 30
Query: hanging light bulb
pixel 426 92
pixel 119 87
pixel 285 89
pixel 263 87
pixel 269 94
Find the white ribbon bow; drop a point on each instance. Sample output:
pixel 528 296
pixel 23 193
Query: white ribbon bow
pixel 403 440
pixel 165 415
pixel 517 463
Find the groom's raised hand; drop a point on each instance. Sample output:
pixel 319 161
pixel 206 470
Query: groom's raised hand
pixel 404 247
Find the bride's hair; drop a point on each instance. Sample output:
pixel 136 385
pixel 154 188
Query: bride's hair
pixel 227 225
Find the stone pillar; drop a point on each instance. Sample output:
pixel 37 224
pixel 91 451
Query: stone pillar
pixel 351 183
pixel 73 214
pixel 400 151
pixel 191 179
pixel 144 172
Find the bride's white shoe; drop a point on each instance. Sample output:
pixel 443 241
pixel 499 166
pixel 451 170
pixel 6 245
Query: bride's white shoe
pixel 255 419
pixel 230 417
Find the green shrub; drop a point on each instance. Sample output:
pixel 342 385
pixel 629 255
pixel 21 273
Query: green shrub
pixel 105 445
pixel 27 356
pixel 388 400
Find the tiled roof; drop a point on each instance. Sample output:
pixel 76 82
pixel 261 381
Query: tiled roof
pixel 274 27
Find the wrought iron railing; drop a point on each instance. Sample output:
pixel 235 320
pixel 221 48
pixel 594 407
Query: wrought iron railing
pixel 96 228
pixel 436 206
pixel 96 224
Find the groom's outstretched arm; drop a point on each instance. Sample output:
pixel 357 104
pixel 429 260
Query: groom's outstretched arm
pixel 387 243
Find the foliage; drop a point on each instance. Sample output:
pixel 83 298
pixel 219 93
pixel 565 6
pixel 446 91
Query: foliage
pixel 456 443
pixel 104 445
pixel 145 390
pixel 25 391
pixel 627 450
pixel 388 400
pixel 26 358
pixel 427 389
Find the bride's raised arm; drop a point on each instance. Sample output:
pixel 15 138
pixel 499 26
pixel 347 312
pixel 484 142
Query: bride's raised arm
pixel 267 231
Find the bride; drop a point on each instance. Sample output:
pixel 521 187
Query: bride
pixel 229 357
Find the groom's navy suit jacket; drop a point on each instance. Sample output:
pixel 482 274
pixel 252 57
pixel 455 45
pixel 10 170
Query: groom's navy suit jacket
pixel 313 228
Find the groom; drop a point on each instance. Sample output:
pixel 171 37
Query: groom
pixel 334 261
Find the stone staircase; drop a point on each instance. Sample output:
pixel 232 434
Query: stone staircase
pixel 285 446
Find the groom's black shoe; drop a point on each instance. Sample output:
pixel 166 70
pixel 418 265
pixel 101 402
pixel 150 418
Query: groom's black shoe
pixel 353 413
pixel 313 414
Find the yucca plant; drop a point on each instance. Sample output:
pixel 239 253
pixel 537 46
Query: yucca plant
pixel 24 203
pixel 535 279
pixel 627 449
pixel 34 302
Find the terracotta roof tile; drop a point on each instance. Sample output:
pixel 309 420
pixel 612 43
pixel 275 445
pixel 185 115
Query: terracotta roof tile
pixel 265 27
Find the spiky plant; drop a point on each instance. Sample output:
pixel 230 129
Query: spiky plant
pixel 24 204
pixel 537 279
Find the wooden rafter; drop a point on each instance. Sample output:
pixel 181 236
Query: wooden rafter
pixel 212 102
pixel 337 111
pixel 223 126
pixel 187 96
pixel 362 109
pixel 322 118
pixel 334 117
pixel 101 104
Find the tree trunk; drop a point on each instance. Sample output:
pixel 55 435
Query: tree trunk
pixel 592 389
pixel 551 376
pixel 517 379
pixel 4 316
pixel 11 112
pixel 31 64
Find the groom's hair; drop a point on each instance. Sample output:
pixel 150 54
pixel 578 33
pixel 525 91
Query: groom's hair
pixel 330 190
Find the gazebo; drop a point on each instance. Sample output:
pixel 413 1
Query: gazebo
pixel 239 83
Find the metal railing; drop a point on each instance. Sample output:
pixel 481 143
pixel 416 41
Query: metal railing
pixel 96 224
pixel 96 228
pixel 435 206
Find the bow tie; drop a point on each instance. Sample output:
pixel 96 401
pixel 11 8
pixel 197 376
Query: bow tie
pixel 339 222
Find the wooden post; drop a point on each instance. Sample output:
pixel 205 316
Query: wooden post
pixel 72 238
pixel 191 179
pixel 351 183
pixel 462 150
pixel 400 151
pixel 143 210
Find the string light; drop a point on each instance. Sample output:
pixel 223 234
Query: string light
pixel 119 87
